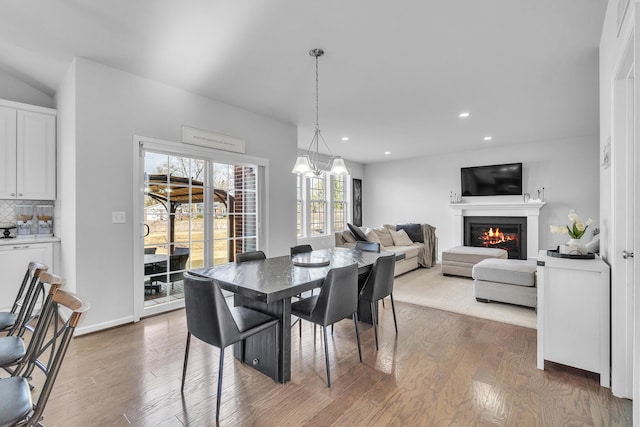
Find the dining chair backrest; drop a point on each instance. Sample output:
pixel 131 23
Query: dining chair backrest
pixel 45 280
pixel 301 249
pixel 208 316
pixel 338 297
pixel 27 292
pixel 368 246
pixel 250 256
pixel 47 347
pixel 150 251
pixel 379 283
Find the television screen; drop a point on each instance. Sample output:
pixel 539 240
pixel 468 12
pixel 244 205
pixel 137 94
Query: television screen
pixel 495 180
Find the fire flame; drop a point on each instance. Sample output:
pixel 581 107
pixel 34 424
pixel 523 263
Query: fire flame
pixel 492 237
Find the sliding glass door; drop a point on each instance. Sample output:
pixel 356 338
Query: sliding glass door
pixel 196 212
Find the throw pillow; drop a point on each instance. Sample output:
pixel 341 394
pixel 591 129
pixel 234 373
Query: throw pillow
pixel 357 233
pixel 414 231
pixel 348 236
pixel 384 236
pixel 372 236
pixel 400 238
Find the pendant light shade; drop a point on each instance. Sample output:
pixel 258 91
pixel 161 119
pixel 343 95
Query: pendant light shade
pixel 338 167
pixel 309 164
pixel 302 166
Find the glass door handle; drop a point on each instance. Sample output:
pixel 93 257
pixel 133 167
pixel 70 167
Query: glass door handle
pixel 626 254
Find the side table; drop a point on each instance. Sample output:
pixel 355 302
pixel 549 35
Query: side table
pixel 573 314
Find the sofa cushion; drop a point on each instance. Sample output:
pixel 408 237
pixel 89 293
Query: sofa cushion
pixel 357 233
pixel 400 238
pixel 372 236
pixel 348 236
pixel 384 236
pixel 410 251
pixel 414 231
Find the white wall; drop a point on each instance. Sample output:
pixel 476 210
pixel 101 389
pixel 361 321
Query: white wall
pixel 111 106
pixel 17 90
pixel 417 190
pixel 65 207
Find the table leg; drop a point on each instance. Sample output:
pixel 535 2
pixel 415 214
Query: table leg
pixel 261 347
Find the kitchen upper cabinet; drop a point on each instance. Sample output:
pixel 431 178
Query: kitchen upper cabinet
pixel 28 148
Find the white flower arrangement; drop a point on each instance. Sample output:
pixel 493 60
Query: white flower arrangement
pixel 577 228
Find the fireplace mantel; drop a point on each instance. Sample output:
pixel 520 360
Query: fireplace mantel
pixel 531 210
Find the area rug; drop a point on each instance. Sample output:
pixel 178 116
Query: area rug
pixel 429 288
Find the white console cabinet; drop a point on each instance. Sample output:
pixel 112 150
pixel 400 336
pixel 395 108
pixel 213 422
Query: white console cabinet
pixel 15 256
pixel 27 152
pixel 573 314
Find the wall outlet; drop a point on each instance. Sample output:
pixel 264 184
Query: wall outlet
pixel 118 217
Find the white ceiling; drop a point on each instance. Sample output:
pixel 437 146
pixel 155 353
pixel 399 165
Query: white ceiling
pixel 394 77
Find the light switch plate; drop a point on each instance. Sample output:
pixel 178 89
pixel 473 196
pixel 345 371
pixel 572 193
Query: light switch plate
pixel 118 217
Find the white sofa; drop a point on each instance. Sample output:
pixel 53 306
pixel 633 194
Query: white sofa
pixel 413 251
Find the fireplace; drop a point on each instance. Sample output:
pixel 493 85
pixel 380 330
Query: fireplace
pixel 501 232
pixel 529 211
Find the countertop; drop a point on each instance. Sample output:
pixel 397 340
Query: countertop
pixel 23 240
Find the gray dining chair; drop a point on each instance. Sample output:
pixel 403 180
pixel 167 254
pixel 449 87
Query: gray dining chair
pixel 11 320
pixel 338 299
pixel 13 348
pixel 211 320
pixel 301 249
pixel 367 246
pixel 379 284
pixel 45 354
pixel 250 256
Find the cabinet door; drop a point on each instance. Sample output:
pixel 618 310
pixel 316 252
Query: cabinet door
pixel 14 260
pixel 7 153
pixel 36 156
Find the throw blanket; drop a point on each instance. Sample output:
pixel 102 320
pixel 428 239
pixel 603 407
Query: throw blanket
pixel 427 252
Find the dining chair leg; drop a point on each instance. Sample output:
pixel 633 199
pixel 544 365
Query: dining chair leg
pixel 374 314
pixel 300 326
pixel 355 321
pixel 393 308
pixel 382 302
pixel 277 348
pixel 332 329
pixel 186 358
pixel 219 384
pixel 326 355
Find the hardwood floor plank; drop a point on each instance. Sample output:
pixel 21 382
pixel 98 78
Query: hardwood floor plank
pixel 441 369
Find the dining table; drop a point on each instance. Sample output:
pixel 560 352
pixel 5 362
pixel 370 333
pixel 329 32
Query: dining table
pixel 268 286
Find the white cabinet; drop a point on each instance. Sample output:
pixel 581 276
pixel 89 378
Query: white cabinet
pixel 573 314
pixel 14 259
pixel 28 149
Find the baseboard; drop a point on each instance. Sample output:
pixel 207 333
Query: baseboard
pixel 83 330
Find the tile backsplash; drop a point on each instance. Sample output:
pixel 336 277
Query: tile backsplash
pixel 8 212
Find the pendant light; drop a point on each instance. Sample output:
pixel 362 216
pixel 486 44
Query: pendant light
pixel 309 164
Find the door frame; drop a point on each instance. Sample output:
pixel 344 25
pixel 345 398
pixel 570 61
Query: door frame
pixel 138 206
pixel 622 296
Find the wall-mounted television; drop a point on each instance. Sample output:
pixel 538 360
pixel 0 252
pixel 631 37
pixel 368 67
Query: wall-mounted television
pixel 494 180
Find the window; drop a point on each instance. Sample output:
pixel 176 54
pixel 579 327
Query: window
pixel 339 202
pixel 321 204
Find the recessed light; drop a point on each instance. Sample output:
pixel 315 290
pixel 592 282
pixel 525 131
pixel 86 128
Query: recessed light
pixel 487 138
pixel 386 153
pixel 345 138
pixel 463 115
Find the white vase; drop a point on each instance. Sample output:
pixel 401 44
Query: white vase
pixel 576 247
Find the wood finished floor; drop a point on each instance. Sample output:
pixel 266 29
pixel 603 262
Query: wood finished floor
pixel 444 369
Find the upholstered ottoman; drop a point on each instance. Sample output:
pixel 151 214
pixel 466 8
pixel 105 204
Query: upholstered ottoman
pixel 505 280
pixel 460 260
